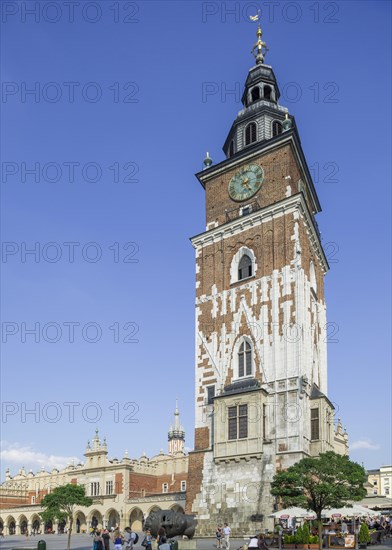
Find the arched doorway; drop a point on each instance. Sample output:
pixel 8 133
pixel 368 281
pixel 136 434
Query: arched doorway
pixel 61 526
pixel 23 525
pixel 48 528
pixel 136 520
pixel 11 526
pixel 36 525
pixel 80 522
pixel 113 518
pixel 95 519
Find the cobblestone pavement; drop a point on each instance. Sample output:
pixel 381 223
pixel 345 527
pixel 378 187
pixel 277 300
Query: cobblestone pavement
pixel 84 542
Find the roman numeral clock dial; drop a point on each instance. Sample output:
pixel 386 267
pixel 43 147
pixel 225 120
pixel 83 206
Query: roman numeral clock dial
pixel 246 182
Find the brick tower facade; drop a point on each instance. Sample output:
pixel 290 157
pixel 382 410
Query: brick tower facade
pixel 261 358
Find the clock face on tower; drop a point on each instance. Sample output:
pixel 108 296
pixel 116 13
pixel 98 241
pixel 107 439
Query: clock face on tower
pixel 246 182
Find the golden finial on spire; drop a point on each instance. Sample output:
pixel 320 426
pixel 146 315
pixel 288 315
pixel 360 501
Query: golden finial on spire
pixel 259 49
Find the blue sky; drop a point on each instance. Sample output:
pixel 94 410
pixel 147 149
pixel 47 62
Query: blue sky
pixel 119 123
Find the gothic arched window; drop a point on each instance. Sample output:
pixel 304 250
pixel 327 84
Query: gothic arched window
pixel 250 133
pixel 244 359
pixel 276 128
pixel 267 93
pixel 245 267
pixel 255 94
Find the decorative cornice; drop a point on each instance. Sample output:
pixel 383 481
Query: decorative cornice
pixel 155 497
pixel 290 204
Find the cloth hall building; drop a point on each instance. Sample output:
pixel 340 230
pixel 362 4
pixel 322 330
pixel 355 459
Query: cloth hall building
pixel 261 394
pixel 124 491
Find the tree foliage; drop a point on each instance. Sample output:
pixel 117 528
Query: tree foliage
pixel 61 504
pixel 316 483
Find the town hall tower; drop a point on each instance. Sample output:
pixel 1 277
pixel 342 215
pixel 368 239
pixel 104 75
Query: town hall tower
pixel 261 329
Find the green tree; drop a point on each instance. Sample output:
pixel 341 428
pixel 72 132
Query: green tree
pixel 316 483
pixel 61 504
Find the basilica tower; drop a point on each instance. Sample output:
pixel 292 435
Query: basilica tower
pixel 176 434
pixel 261 358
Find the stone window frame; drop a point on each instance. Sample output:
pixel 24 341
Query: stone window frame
pixel 183 485
pixel 315 424
pixel 95 488
pixel 242 339
pixel 236 261
pixel 165 487
pixel 109 485
pixel 240 419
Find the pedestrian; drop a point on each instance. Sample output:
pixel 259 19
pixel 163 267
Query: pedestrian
pixel 147 541
pixel 219 535
pixel 226 534
pixel 130 537
pixel 118 540
pixel 98 541
pixel 106 539
pixel 161 538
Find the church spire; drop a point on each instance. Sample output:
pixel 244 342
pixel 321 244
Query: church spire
pixel 259 49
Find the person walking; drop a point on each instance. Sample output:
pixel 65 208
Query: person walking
pixel 226 534
pixel 219 535
pixel 130 538
pixel 106 539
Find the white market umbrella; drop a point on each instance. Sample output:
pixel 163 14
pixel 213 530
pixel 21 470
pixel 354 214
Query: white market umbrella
pixel 362 510
pixel 346 511
pixel 293 512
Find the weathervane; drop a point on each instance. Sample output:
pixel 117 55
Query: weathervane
pixel 259 49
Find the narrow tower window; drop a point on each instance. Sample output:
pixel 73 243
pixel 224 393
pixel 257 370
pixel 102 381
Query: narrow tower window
pixel 267 93
pixel 244 267
pixel 231 148
pixel 210 394
pixel 250 133
pixel 245 359
pixel 255 94
pixel 314 424
pixel 276 128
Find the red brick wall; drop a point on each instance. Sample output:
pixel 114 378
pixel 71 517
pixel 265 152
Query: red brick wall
pixel 195 478
pixel 118 484
pixel 276 165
